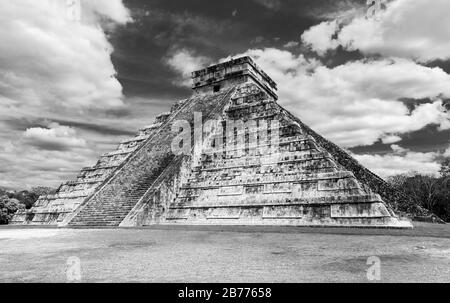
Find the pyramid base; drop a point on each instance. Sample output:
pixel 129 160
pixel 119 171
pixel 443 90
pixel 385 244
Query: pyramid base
pixel 391 223
pixel 292 215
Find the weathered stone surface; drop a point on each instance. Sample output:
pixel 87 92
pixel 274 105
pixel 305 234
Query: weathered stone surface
pixel 256 164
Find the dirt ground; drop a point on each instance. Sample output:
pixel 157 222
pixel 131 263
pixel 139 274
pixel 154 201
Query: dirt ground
pixel 225 254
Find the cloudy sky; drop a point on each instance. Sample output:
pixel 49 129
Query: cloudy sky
pixel 72 89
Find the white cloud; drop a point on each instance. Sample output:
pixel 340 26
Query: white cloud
pixel 320 37
pixel 447 152
pixel 115 10
pixel 55 137
pixel 389 139
pixel 415 29
pixel 48 61
pixel 401 161
pixel 291 44
pixel 185 62
pixel 56 68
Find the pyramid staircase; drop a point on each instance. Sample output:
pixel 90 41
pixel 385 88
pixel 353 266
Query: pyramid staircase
pixel 111 212
pixel 114 201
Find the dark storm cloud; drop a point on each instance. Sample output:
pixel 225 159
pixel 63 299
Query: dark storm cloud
pixel 337 57
pixel 424 140
pixel 48 146
pixel 207 27
pixel 97 128
pixel 447 104
pixel 428 138
pixel 22 124
pixel 444 64
pixel 212 29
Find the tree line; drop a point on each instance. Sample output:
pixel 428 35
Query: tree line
pixel 12 201
pixel 430 192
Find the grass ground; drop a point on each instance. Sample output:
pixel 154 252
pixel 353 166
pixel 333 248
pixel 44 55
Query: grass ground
pixel 225 254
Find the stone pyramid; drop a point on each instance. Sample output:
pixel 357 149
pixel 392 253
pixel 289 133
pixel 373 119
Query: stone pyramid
pixel 229 155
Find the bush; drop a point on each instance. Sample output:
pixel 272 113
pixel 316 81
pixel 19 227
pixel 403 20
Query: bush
pixel 8 207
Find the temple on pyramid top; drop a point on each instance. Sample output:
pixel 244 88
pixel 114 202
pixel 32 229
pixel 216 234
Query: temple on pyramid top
pixel 231 73
pixel 271 169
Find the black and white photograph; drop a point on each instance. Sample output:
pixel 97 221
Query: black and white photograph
pixel 245 142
